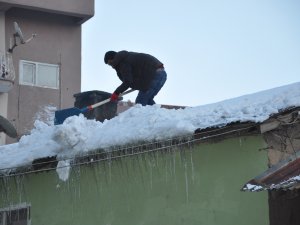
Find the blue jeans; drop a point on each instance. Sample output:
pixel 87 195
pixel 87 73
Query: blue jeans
pixel 146 97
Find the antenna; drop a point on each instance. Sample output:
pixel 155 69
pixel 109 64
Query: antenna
pixel 18 34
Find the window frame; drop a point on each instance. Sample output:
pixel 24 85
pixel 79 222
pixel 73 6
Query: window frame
pixel 36 74
pixel 20 206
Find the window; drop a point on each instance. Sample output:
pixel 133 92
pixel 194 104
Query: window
pixel 39 74
pixel 15 215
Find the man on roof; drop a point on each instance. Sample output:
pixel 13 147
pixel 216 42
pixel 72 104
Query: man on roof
pixel 139 71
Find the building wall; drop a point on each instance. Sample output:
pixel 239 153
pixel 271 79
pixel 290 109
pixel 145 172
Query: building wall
pixel 2 31
pixel 188 186
pixel 58 41
pixel 68 7
pixel 3 96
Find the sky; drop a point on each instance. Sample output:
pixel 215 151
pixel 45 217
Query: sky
pixel 76 136
pixel 212 50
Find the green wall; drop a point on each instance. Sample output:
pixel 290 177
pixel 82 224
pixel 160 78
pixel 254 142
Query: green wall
pixel 197 185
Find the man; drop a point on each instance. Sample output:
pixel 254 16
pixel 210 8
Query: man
pixel 138 71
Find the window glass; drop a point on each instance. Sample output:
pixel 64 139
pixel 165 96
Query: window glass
pixel 47 76
pixel 28 73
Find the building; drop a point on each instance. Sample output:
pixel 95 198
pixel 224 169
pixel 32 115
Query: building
pixel 189 180
pixel 47 68
pixel 281 180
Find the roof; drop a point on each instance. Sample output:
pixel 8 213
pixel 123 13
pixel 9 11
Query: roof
pixel 285 174
pixel 209 134
pixel 78 136
pixel 212 134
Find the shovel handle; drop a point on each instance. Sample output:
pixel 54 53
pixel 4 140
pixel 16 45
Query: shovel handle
pixel 90 107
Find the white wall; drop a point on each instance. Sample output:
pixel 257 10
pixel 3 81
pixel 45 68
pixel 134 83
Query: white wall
pixel 3 96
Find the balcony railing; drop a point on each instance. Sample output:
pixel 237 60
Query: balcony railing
pixel 7 72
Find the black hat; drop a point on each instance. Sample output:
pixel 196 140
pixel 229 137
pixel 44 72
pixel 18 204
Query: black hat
pixel 109 55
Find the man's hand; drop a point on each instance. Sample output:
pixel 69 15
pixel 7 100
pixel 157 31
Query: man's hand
pixel 114 97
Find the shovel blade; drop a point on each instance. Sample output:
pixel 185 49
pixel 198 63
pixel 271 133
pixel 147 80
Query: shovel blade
pixel 61 115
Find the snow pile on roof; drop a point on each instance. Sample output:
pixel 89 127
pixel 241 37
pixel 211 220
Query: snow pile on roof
pixel 78 135
pixel 251 187
pixel 286 183
pixel 46 114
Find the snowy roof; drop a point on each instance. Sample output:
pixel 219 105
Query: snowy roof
pixel 77 135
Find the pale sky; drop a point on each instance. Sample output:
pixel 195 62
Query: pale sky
pixel 212 50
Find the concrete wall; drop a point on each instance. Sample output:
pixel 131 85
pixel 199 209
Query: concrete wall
pixel 3 96
pixel 2 31
pixel 58 41
pixel 191 186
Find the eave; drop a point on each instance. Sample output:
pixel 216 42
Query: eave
pixel 283 176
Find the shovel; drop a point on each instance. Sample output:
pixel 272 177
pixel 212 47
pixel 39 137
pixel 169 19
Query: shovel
pixel 63 114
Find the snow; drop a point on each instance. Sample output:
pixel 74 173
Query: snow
pixel 286 183
pixel 46 114
pixel 63 169
pixel 77 135
pixel 251 187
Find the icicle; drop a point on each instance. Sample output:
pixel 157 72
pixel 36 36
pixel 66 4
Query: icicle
pixel 174 171
pixel 20 186
pixel 151 176
pixel 192 165
pixel 6 190
pixel 186 182
pixel 109 168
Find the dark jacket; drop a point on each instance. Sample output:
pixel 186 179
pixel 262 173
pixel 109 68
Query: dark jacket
pixel 135 70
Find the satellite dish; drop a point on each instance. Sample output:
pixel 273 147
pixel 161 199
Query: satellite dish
pixel 19 33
